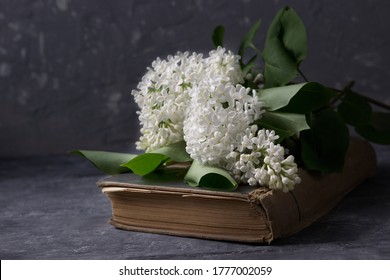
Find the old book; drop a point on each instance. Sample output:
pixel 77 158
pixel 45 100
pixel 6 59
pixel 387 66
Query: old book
pixel 246 215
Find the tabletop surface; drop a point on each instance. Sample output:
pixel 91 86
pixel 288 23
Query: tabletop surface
pixel 51 208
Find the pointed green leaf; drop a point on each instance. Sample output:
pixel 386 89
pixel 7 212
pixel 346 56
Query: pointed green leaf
pixel 218 34
pixel 284 124
pixel 169 174
pixel 293 34
pixel 354 109
pixel 247 42
pixel 148 162
pixel 279 68
pixel 248 67
pixel 176 152
pixel 377 130
pixel 279 97
pixel 300 98
pixel 285 48
pixel 325 145
pixel 209 178
pixel 311 97
pixel 108 162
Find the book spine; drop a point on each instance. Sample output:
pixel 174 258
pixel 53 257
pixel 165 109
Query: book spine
pixel 288 213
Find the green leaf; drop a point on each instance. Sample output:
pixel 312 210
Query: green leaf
pixel 300 98
pixel 279 68
pixel 324 146
pixel 148 162
pixel 218 34
pixel 209 178
pixel 248 67
pixel 354 109
pixel 285 48
pixel 293 34
pixel 377 130
pixel 311 97
pixel 284 124
pixel 108 162
pixel 247 42
pixel 168 174
pixel 176 152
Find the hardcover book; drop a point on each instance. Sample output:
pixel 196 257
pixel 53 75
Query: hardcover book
pixel 249 214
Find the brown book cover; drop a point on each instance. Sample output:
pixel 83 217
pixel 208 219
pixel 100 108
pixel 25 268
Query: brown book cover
pixel 247 215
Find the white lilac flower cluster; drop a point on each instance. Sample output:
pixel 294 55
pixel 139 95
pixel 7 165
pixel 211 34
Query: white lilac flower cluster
pixel 258 160
pixel 218 117
pixel 163 96
pixel 201 101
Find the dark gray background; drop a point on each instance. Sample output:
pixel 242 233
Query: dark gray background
pixel 67 67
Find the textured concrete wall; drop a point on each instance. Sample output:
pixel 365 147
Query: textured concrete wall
pixel 67 67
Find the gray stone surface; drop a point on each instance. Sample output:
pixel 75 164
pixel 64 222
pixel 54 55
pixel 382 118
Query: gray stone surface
pixel 50 208
pixel 67 67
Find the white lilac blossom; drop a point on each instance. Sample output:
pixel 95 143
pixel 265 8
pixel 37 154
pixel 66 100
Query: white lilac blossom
pixel 163 95
pixel 259 161
pixel 163 98
pixel 220 109
pixel 201 100
pixel 219 115
pixel 222 67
